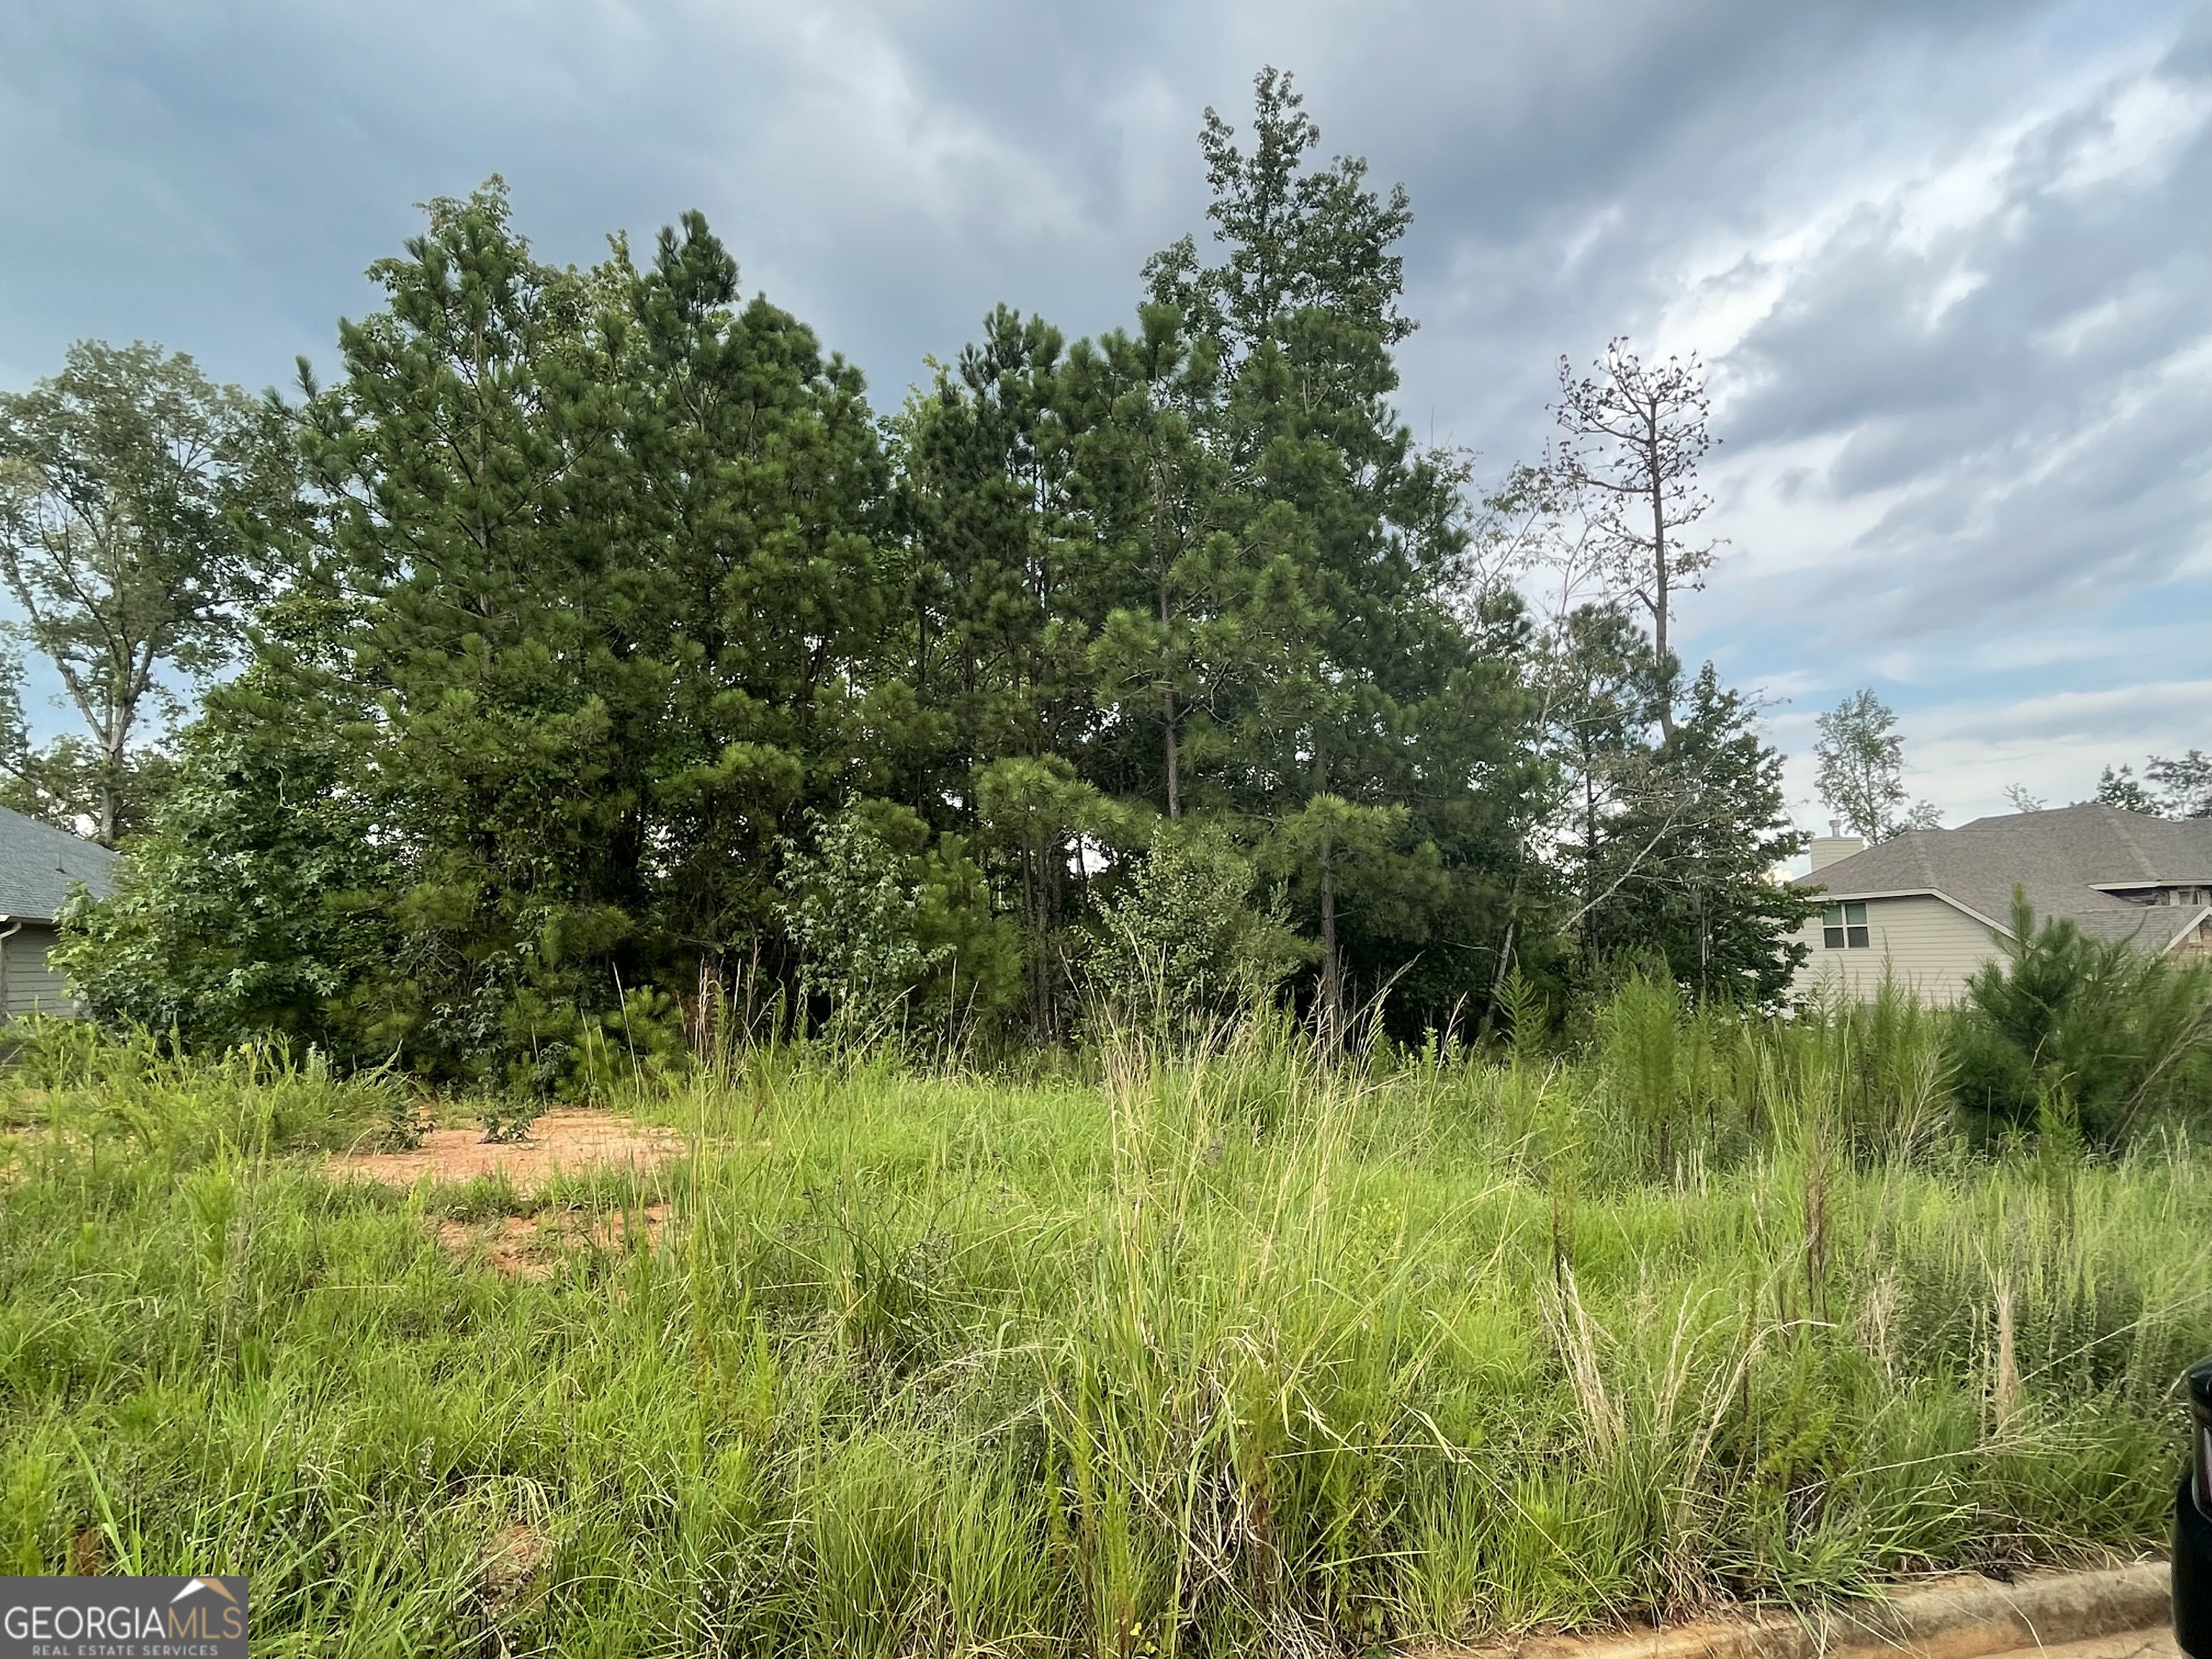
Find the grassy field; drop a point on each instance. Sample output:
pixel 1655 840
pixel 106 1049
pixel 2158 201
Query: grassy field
pixel 1240 1356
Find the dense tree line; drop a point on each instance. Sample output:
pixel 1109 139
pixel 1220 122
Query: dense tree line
pixel 606 662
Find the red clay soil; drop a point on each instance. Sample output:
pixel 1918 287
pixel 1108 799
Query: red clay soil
pixel 531 1246
pixel 565 1142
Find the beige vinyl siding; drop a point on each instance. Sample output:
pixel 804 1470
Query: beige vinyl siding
pixel 1928 944
pixel 32 986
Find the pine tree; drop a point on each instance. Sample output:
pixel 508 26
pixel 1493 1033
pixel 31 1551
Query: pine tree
pixel 606 538
pixel 1632 436
pixel 1165 649
pixel 1341 544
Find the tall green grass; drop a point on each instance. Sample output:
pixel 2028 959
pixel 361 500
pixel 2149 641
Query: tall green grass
pixel 1183 1354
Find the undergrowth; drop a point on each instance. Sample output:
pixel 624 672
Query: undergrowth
pixel 1222 1353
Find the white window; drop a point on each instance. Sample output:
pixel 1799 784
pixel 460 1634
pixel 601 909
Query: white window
pixel 1844 927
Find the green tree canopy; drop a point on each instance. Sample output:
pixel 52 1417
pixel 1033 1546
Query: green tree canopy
pixel 138 504
pixel 621 654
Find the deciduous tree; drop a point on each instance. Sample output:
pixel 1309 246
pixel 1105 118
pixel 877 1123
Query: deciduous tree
pixel 137 500
pixel 1861 774
pixel 2178 788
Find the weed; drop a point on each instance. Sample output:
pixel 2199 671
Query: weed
pixel 508 1117
pixel 404 1121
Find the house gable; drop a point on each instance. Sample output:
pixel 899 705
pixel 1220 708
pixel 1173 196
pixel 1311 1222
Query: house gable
pixel 1845 896
pixel 1924 940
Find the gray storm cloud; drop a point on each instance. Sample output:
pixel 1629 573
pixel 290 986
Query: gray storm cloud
pixel 1951 266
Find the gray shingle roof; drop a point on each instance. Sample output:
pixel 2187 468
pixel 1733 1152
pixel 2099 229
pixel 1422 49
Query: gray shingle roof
pixel 40 865
pixel 2061 857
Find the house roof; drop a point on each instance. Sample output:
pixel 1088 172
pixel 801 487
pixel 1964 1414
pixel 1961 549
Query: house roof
pixel 2072 861
pixel 40 864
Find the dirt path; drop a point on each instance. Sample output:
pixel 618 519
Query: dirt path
pixel 532 1246
pixel 567 1142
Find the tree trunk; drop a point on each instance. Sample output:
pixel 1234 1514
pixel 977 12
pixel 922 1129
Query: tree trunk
pixel 1659 574
pixel 1330 1011
pixel 1033 943
pixel 1497 978
pixel 1589 853
pixel 1174 765
pixel 111 772
pixel 1173 761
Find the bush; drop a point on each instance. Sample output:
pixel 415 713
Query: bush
pixel 240 915
pixel 1184 941
pixel 891 927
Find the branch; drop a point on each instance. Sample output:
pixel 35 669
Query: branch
pixel 1622 879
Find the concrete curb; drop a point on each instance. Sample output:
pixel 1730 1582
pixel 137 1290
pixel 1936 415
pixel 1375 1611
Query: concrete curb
pixel 1965 1618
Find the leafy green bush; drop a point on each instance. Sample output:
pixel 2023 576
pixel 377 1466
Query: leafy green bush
pixel 1184 941
pixel 894 926
pixel 240 915
pixel 853 906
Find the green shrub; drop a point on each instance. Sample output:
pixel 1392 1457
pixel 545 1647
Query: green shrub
pixel 890 934
pixel 2122 1036
pixel 1184 942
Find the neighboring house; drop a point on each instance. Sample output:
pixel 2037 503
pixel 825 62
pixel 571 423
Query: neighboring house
pixel 1932 905
pixel 39 867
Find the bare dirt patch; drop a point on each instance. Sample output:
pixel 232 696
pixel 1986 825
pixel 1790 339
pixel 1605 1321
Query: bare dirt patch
pixel 532 1246
pixel 570 1141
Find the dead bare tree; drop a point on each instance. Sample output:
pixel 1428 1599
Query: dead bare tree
pixel 1631 438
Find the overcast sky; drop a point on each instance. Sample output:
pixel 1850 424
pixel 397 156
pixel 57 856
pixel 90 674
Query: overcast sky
pixel 1950 264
